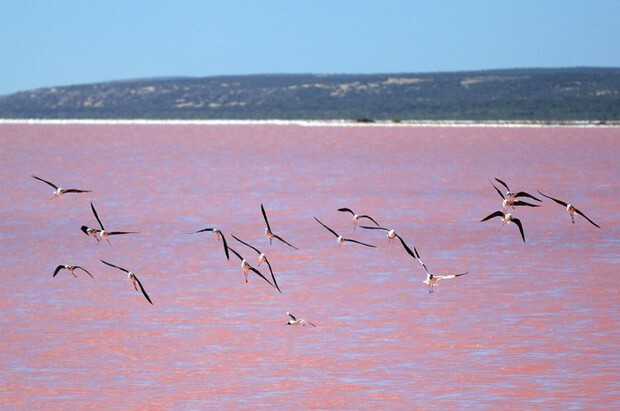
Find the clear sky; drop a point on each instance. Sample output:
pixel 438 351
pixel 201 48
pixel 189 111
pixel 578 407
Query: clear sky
pixel 61 42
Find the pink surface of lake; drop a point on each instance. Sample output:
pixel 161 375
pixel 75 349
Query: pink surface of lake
pixel 534 325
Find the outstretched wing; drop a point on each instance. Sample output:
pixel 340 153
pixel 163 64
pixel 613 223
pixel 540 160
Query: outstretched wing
pixel 284 241
pixel 523 203
pixel 554 199
pixel 255 271
pixel 75 190
pixel 203 230
pixel 246 244
pixel 420 261
pixel 292 316
pixel 142 289
pixel 368 217
pixel 306 321
pixel 502 183
pixel 524 194
pixel 60 267
pixel 359 242
pixel 273 277
pixel 225 246
pixel 96 216
pixel 374 228
pixel 346 210
pixel 262 209
pixel 122 232
pixel 115 266
pixel 495 214
pixel 518 223
pixel 329 229
pixel 497 189
pixel 411 253
pixel 584 216
pixel 85 270
pixel 235 253
pixel 45 181
pixel 448 276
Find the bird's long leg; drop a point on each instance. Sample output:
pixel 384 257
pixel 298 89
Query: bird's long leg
pixel 502 225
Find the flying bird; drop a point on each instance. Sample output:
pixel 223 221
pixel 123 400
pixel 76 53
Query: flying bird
pixel 297 321
pixel 246 267
pixel 506 219
pixel 91 232
pixel 432 279
pixel 570 209
pixel 269 234
pixel 509 200
pixel 220 236
pixel 391 236
pixel 71 269
pixel 390 233
pixel 133 278
pixel 59 191
pixel 510 195
pixel 103 234
pixel 357 217
pixel 340 238
pixel 262 258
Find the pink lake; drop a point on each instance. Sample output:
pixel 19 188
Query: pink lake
pixel 533 325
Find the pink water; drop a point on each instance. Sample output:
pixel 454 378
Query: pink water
pixel 533 325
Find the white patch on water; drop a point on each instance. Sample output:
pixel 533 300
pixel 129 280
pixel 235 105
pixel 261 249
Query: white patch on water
pixel 322 123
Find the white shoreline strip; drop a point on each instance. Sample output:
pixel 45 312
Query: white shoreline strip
pixel 321 123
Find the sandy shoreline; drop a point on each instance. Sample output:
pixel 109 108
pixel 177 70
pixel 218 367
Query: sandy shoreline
pixel 321 123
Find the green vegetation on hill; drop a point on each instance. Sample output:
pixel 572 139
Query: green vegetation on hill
pixel 575 94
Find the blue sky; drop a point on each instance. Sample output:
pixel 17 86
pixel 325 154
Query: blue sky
pixel 62 42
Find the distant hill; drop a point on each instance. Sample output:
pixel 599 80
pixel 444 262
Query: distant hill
pixel 583 94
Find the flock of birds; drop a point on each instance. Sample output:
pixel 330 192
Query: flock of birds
pixel 509 201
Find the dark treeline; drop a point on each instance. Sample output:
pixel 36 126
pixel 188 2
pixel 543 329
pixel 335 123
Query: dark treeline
pixel 575 94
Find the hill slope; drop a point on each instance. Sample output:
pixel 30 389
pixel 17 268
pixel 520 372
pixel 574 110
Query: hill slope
pixel 591 94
